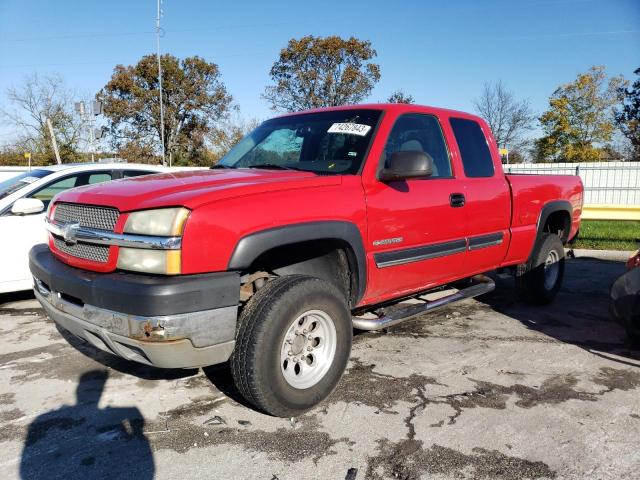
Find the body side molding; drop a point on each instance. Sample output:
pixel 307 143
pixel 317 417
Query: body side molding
pixel 484 241
pixel 416 254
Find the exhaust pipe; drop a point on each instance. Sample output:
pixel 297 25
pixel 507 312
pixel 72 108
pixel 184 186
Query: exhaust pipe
pixel 481 285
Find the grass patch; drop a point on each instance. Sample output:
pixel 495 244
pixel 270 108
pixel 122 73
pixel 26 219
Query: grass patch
pixel 609 235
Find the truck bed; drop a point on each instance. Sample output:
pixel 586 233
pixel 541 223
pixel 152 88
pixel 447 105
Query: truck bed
pixel 530 193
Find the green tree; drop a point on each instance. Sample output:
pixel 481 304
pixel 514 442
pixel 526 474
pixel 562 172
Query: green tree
pixel 580 118
pixel 400 97
pixel 194 99
pixel 628 117
pixel 317 72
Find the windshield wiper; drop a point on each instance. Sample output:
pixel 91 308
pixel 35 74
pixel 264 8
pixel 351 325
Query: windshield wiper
pixel 275 166
pixel 221 166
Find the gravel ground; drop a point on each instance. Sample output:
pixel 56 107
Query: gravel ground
pixel 487 388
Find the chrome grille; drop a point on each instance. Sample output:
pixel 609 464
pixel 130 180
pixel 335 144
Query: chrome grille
pixel 103 218
pixel 95 253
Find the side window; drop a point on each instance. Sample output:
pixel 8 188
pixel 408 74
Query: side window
pixel 99 177
pixel 476 157
pixel 420 132
pixel 46 193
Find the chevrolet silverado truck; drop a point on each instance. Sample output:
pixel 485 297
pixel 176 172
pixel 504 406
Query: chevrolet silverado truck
pixel 316 223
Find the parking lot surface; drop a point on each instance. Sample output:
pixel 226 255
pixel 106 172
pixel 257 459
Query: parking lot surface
pixel 488 388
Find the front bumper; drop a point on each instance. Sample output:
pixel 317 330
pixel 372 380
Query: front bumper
pixel 141 317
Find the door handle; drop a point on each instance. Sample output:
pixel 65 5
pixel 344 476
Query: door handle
pixel 456 200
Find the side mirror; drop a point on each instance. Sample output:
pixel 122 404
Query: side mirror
pixel 27 206
pixel 407 164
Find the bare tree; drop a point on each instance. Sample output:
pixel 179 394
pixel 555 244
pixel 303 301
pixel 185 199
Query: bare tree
pixel 508 117
pixel 227 134
pixel 37 99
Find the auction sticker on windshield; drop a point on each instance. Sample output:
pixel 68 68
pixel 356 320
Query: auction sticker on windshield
pixel 350 128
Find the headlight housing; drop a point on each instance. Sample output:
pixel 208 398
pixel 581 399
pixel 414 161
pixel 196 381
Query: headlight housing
pixel 163 222
pixel 162 262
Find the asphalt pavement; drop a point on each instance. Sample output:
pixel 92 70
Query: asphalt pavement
pixel 488 388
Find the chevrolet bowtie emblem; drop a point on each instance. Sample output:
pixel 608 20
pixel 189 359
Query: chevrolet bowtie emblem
pixel 70 233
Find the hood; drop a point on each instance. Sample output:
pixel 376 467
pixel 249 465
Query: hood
pixel 192 188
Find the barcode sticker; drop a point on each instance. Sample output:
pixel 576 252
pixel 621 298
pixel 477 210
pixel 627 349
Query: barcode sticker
pixel 350 128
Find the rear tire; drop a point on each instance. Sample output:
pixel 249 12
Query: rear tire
pixel 292 345
pixel 539 280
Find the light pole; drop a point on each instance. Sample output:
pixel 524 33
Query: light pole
pixel 158 33
pixel 89 119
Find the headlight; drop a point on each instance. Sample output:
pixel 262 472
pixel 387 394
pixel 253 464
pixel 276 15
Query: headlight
pixel 166 222
pixel 163 262
pixel 163 222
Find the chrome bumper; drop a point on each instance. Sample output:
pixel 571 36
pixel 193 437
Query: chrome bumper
pixel 173 341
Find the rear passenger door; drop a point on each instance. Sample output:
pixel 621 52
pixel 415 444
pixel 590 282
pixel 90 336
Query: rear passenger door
pixel 487 196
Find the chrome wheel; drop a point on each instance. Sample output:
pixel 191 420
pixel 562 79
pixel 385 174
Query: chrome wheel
pixel 308 349
pixel 551 270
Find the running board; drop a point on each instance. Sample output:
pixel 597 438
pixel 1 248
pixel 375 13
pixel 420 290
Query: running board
pixel 481 285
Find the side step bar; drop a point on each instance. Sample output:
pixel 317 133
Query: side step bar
pixel 481 285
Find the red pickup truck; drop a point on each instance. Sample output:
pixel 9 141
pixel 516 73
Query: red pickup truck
pixel 312 222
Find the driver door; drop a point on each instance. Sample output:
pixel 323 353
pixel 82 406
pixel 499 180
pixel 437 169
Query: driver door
pixel 416 232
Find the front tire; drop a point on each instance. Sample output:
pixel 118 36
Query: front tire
pixel 539 280
pixel 292 345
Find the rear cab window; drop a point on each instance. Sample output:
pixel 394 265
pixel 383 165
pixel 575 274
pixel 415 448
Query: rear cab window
pixel 474 150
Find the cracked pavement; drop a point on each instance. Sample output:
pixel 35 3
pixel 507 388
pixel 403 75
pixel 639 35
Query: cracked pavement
pixel 488 388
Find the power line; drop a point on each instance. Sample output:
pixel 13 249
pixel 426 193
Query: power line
pixel 568 35
pixel 7 39
pixel 119 62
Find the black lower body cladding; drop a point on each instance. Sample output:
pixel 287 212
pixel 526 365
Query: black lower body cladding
pixel 136 294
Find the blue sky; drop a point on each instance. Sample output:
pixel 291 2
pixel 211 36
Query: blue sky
pixel 441 52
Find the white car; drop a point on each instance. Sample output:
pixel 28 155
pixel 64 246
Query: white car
pixel 24 199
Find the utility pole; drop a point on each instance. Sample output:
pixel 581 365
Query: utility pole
pixel 53 141
pixel 158 33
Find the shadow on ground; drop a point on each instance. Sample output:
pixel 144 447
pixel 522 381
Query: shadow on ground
pixel 85 441
pixel 16 297
pixel 580 313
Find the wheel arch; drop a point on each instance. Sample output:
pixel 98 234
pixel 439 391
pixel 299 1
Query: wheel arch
pixel 555 217
pixel 339 234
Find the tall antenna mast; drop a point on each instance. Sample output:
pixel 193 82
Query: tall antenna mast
pixel 158 34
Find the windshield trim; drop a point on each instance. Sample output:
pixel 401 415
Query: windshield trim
pixel 374 134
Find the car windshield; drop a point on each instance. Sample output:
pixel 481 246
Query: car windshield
pixel 331 142
pixel 14 184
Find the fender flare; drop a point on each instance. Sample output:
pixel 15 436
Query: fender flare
pixel 250 247
pixel 553 207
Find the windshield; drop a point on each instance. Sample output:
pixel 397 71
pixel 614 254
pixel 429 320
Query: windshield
pixel 20 181
pixel 332 142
